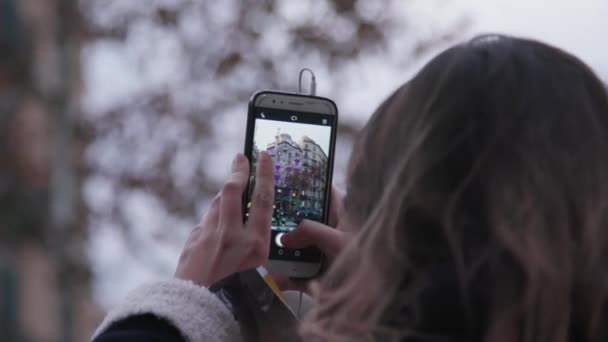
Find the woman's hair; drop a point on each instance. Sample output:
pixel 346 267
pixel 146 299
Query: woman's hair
pixel 480 189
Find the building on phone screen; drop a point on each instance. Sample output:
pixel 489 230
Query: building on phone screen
pixel 300 177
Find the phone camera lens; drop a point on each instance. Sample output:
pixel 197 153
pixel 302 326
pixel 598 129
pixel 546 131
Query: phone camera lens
pixel 273 101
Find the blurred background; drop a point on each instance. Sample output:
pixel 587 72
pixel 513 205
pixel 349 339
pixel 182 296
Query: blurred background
pixel 118 120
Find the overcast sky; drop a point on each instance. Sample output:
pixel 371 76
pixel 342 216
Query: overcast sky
pixel 580 27
pixel 266 130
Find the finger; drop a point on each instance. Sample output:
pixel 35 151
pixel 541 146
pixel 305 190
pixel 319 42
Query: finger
pixel 335 206
pixel 231 196
pixel 260 215
pixel 194 235
pixel 311 233
pixel 212 216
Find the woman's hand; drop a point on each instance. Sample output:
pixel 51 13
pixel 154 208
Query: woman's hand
pixel 329 239
pixel 221 244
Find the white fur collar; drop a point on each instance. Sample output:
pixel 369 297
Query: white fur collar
pixel 194 310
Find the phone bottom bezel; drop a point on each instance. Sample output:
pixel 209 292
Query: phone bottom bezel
pixel 293 269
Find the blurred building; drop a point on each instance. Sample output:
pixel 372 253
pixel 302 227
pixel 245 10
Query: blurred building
pixel 45 286
pixel 286 155
pixel 314 158
pixel 300 173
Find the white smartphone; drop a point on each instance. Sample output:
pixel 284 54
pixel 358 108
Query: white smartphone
pixel 299 133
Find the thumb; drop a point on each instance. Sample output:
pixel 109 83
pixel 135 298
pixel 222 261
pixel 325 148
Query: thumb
pixel 310 233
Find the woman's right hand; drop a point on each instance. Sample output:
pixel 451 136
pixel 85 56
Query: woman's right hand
pixel 330 239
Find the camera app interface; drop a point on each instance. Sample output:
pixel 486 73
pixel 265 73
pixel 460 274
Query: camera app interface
pixel 299 144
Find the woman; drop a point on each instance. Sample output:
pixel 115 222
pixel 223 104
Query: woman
pixel 477 194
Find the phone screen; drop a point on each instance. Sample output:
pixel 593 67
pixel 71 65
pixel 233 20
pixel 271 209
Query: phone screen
pixel 300 145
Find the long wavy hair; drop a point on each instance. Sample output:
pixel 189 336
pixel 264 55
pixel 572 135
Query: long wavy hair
pixel 480 189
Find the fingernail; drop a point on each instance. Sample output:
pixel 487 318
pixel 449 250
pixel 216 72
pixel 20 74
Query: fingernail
pixel 238 160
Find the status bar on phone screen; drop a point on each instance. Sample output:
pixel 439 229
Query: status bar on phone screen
pixel 296 117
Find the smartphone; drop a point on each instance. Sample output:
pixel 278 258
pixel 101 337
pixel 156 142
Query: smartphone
pixel 299 133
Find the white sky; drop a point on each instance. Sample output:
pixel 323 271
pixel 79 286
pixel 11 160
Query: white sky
pixel 267 129
pixel 581 27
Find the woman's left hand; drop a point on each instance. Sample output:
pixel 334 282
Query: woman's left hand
pixel 221 244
